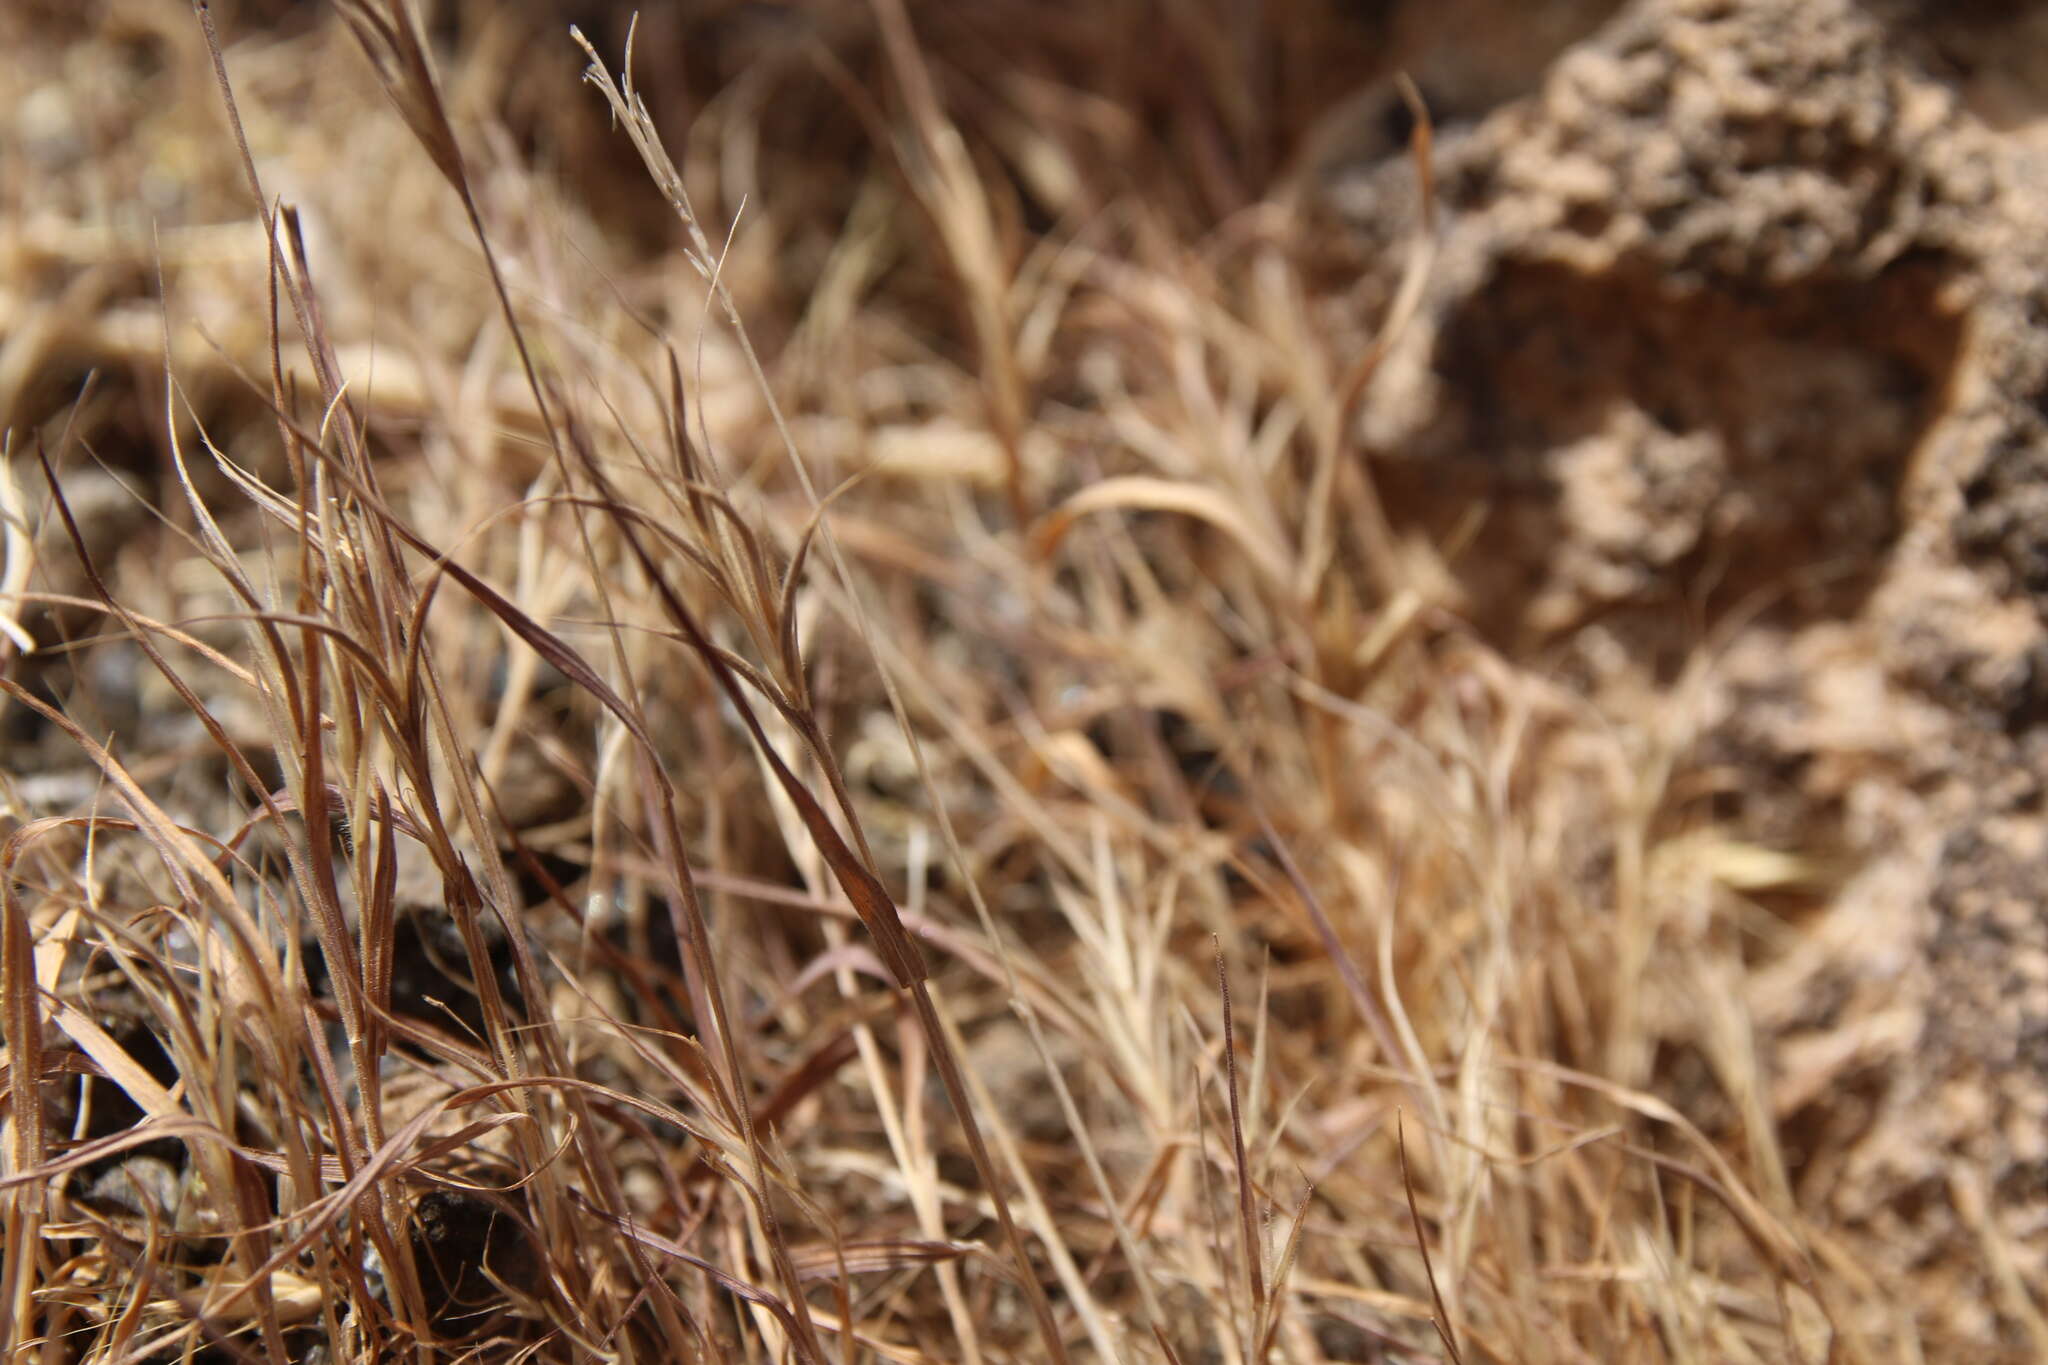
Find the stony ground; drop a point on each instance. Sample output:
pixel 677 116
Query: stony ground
pixel 1739 331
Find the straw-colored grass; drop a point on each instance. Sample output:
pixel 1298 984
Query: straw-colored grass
pixel 831 759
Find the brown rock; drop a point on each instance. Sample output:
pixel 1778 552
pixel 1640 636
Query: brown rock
pixel 1739 334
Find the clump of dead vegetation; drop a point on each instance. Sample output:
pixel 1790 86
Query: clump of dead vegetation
pixel 834 761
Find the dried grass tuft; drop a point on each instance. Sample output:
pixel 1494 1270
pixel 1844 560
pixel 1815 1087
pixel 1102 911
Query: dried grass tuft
pixel 531 835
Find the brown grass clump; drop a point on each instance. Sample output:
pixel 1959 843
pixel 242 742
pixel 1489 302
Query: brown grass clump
pixel 844 770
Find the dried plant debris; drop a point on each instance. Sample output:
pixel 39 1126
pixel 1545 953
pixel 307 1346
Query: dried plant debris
pixel 920 682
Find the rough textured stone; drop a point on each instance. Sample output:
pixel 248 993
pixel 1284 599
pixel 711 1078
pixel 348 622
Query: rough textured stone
pixel 1737 340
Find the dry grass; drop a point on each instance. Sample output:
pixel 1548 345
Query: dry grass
pixel 541 827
